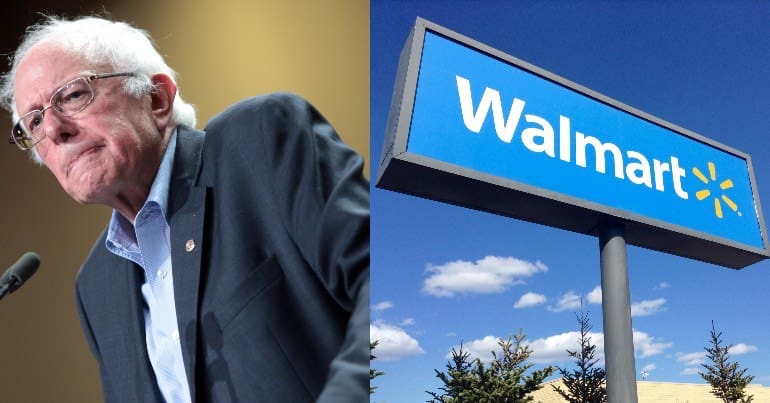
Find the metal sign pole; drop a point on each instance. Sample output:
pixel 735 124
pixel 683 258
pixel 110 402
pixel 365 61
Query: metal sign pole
pixel 616 312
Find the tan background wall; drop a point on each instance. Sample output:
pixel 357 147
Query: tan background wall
pixel 223 50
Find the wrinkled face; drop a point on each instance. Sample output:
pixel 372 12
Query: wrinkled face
pixel 99 154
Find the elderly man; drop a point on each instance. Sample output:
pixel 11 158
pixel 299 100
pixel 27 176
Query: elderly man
pixel 235 267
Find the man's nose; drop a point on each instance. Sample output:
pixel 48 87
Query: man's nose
pixel 57 128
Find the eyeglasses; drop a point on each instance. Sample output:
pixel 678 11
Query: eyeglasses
pixel 69 99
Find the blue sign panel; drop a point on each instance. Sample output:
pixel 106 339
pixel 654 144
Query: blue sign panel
pixel 505 121
pixel 485 115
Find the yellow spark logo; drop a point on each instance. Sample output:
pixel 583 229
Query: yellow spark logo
pixel 724 185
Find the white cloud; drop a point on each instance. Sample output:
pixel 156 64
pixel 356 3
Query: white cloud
pixel 383 306
pixel 530 299
pixel 394 342
pixel 646 345
pixel 741 348
pixel 481 348
pixel 546 350
pixel 649 367
pixel 642 308
pixel 648 307
pixel 690 371
pixel 554 348
pixel 492 274
pixel 595 296
pixel 662 286
pixel 568 301
pixel 691 359
pixel 407 322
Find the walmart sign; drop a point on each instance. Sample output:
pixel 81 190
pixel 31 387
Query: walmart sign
pixel 473 126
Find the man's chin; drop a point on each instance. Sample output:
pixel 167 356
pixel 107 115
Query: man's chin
pixel 88 195
pixel 88 187
pixel 86 199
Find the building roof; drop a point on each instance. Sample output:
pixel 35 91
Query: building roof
pixel 660 392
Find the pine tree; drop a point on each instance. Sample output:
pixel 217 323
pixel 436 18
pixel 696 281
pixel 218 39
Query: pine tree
pixel 457 379
pixel 505 380
pixel 726 378
pixel 586 383
pixel 373 373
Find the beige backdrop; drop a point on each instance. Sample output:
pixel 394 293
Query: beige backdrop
pixel 223 50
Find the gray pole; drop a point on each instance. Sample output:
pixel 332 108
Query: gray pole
pixel 616 312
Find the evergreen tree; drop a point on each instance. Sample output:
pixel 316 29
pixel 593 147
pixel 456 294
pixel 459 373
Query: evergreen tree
pixel 586 383
pixel 505 380
pixel 726 378
pixel 373 373
pixel 457 380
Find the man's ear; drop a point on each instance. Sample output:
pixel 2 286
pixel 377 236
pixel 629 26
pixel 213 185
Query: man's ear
pixel 162 97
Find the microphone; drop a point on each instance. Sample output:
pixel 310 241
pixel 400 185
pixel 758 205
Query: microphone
pixel 21 271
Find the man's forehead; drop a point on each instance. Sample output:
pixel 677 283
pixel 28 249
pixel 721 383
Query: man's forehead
pixel 43 67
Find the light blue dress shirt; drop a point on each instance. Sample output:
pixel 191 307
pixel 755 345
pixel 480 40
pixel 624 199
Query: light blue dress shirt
pixel 146 243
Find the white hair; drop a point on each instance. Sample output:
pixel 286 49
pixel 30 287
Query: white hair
pixel 100 42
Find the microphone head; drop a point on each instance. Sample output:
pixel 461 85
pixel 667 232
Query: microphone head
pixel 21 271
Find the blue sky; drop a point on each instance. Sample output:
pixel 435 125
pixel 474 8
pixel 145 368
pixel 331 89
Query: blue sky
pixel 442 274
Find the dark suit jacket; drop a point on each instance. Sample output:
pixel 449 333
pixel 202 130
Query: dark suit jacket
pixel 269 217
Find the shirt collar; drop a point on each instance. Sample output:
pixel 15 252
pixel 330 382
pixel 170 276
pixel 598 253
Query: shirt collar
pixel 160 186
pixel 120 231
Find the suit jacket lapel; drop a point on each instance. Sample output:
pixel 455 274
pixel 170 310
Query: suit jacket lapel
pixel 187 205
